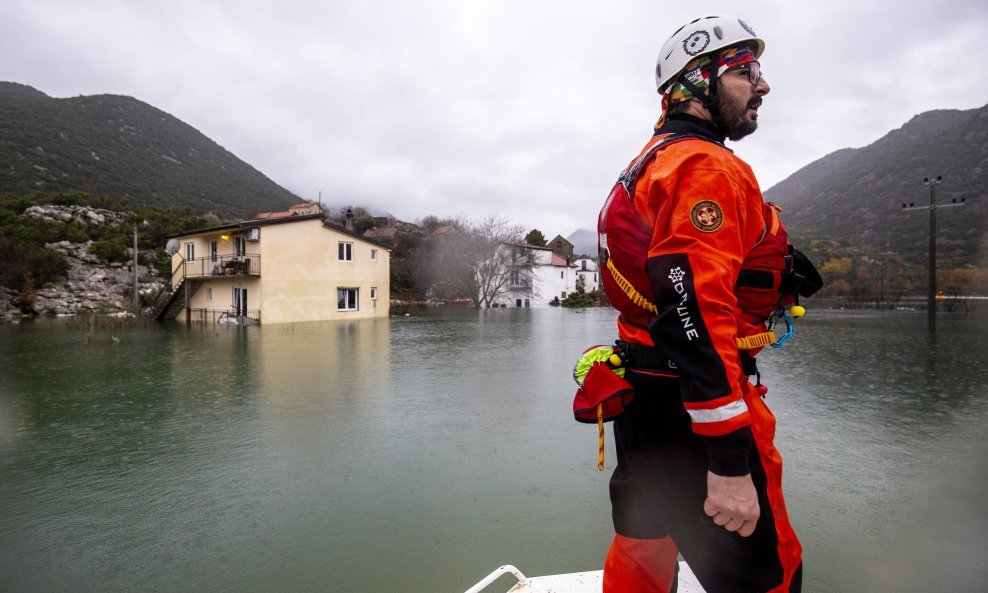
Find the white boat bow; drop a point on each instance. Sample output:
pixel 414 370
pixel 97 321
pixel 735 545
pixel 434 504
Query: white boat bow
pixel 574 582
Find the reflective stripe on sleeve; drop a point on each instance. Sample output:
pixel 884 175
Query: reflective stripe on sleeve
pixel 719 414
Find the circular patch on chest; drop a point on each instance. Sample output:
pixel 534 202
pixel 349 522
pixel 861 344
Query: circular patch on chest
pixel 707 216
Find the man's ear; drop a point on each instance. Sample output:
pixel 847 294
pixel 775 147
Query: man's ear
pixel 695 108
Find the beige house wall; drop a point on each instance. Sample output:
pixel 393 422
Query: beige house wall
pixel 300 262
pixel 300 273
pixel 217 295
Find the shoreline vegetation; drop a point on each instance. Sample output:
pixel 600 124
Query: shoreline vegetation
pixel 73 254
pixel 93 321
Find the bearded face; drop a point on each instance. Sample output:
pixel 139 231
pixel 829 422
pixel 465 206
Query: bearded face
pixel 736 115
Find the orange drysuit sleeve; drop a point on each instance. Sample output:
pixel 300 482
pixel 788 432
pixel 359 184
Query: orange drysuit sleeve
pixel 704 206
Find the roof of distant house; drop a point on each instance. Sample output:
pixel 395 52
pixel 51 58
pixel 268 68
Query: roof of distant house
pixel 528 246
pixel 300 209
pixel 244 224
pixel 346 231
pixel 443 230
pixel 257 222
pixel 267 215
pixel 558 260
pixel 379 232
pixel 555 258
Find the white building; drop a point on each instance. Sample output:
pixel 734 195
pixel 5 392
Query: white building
pixel 545 278
pixel 587 274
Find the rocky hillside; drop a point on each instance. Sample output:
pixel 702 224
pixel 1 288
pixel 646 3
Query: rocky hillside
pixel 854 197
pixel 125 149
pixel 90 286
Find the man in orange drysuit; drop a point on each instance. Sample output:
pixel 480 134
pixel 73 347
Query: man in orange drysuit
pixel 696 263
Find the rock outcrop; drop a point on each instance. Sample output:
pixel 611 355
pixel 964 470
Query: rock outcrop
pixel 82 214
pixel 90 286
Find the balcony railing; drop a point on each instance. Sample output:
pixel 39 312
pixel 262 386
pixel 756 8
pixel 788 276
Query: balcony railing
pixel 224 265
pixel 225 316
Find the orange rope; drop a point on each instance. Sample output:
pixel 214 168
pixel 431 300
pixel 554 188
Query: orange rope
pixel 600 437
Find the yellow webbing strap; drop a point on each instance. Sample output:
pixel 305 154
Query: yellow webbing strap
pixel 756 341
pixel 600 437
pixel 635 296
pixel 747 343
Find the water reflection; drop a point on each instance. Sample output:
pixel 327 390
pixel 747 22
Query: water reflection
pixel 307 457
pixel 879 427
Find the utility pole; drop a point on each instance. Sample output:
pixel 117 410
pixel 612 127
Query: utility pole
pixel 931 303
pixel 882 274
pixel 137 301
pixel 931 307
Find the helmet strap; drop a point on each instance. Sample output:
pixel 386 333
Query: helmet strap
pixel 709 96
pixel 711 100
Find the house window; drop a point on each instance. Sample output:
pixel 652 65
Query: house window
pixel 373 258
pixel 528 303
pixel 518 302
pixel 346 299
pixel 190 251
pixel 373 294
pixel 209 294
pixel 584 264
pixel 240 245
pixel 561 274
pixel 212 250
pixel 564 294
pixel 515 278
pixel 346 251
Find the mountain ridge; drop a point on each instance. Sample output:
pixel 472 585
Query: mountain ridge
pixel 855 196
pixel 845 208
pixel 119 146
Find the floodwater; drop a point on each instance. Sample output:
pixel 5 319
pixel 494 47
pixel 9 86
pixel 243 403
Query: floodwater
pixel 416 454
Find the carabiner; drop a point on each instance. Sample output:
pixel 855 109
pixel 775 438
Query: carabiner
pixel 784 316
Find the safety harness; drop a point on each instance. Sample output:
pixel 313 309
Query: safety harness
pixel 621 229
pixel 771 281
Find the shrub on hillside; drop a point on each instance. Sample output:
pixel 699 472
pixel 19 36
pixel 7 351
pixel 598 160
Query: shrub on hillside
pixel 109 251
pixel 28 262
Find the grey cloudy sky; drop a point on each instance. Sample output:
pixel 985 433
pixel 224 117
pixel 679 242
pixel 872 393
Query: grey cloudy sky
pixel 524 108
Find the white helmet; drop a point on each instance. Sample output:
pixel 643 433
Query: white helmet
pixel 701 36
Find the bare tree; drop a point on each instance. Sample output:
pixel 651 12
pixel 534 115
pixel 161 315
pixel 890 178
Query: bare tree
pixel 470 260
pixel 499 263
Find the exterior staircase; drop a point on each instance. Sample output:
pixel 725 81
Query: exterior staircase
pixel 175 301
